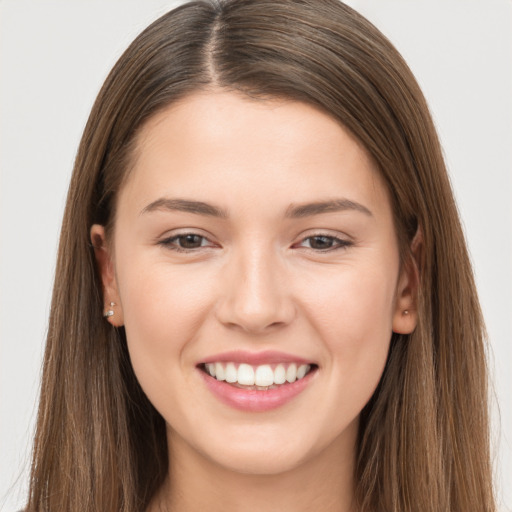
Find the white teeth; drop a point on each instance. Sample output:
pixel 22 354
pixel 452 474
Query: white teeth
pixel 262 376
pixel 302 370
pixel 291 373
pixel 246 375
pixel 280 374
pixel 220 374
pixel 231 373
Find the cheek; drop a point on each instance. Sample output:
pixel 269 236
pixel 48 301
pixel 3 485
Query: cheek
pixel 354 321
pixel 163 311
pixel 352 302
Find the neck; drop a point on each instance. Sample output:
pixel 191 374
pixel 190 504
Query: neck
pixel 325 482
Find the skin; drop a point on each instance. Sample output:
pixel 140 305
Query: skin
pixel 258 280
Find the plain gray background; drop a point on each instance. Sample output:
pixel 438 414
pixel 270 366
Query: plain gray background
pixel 54 56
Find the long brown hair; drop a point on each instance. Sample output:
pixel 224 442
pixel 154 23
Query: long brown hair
pixel 423 445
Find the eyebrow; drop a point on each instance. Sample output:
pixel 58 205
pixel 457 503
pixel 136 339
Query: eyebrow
pixel 293 211
pixel 185 205
pixel 333 205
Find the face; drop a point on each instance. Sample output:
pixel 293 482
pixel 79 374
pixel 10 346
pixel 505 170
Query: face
pixel 255 267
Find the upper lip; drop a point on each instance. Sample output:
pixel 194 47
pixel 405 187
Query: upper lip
pixel 255 358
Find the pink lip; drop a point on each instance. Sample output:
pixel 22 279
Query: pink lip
pixel 253 400
pixel 255 358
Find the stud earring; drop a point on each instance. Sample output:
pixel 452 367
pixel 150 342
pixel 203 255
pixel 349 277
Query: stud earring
pixel 406 312
pixel 109 312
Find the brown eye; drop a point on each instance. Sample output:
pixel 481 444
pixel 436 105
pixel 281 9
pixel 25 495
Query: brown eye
pixel 321 242
pixel 185 242
pixel 189 241
pixel 324 243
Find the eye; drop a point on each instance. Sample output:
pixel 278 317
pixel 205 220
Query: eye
pixel 186 242
pixel 324 243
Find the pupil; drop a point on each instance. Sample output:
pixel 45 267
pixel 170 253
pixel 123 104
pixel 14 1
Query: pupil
pixel 321 242
pixel 190 241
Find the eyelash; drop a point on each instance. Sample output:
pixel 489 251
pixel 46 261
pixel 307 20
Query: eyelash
pixel 171 243
pixel 339 243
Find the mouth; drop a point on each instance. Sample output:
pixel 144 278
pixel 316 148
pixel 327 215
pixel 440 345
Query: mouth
pixel 257 382
pixel 263 377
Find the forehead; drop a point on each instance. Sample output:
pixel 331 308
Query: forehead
pixel 224 144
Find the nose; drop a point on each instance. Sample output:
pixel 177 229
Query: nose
pixel 255 296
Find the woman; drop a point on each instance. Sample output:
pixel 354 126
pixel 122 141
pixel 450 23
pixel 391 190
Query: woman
pixel 263 297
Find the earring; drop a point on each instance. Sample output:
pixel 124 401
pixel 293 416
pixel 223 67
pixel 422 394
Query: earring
pixel 109 312
pixel 406 312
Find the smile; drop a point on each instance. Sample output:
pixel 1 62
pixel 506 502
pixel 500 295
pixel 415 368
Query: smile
pixel 262 377
pixel 256 382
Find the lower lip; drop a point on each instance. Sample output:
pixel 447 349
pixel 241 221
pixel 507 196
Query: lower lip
pixel 255 400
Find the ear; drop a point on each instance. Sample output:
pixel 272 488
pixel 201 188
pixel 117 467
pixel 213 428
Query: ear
pixel 113 311
pixel 405 316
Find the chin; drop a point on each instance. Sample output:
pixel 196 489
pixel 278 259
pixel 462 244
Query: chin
pixel 273 450
pixel 258 463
